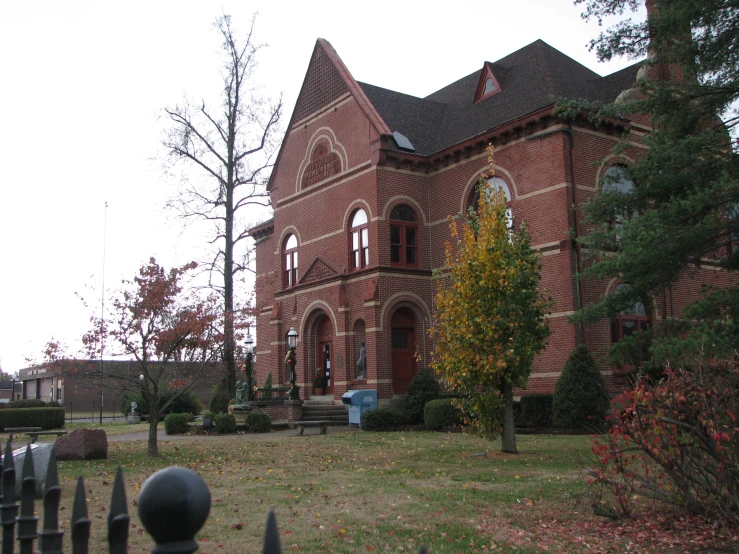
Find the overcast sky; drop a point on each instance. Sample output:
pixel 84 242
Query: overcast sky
pixel 82 86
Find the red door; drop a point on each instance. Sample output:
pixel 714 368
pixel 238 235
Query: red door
pixel 325 354
pixel 403 337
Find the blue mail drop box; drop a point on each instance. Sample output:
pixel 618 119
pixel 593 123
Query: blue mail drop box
pixel 359 401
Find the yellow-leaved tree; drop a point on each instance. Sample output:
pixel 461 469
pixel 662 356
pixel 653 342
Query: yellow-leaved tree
pixel 490 315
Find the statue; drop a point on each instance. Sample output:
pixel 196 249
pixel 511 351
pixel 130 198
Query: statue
pixel 362 362
pixel 241 387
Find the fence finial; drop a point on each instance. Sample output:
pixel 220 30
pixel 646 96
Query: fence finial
pixel 271 536
pixel 118 517
pixel 9 508
pixel 50 541
pixel 173 506
pixel 80 521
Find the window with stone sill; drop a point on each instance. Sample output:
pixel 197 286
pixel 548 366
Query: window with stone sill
pixel 359 237
pixel 629 322
pixel 290 262
pixel 616 180
pixel 403 237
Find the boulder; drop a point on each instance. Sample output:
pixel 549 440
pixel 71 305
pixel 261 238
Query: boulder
pixel 82 444
pixel 41 454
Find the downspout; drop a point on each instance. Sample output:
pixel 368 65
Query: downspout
pixel 580 295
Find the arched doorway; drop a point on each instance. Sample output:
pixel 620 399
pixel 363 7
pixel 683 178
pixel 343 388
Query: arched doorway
pixel 403 339
pixel 324 352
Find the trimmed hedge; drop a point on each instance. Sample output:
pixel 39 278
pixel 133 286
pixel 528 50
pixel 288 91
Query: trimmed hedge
pixel 258 422
pixel 383 418
pixel 29 403
pixel 225 424
pixel 580 397
pixel 423 388
pixel 46 418
pixel 536 409
pixel 440 413
pixel 176 424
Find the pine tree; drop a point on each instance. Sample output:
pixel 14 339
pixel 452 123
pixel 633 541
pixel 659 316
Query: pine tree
pixel 580 393
pixel 687 182
pixel 490 316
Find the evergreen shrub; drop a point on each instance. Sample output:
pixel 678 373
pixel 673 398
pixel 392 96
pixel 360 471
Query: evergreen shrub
pixel 423 388
pixel 440 413
pixel 258 422
pixel 267 389
pixel 176 424
pixel 28 403
pixel 219 401
pixel 383 418
pixel 536 409
pixel 580 393
pixel 225 424
pixel 46 418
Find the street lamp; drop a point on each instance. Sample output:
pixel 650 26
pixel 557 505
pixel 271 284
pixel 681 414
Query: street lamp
pixel 290 360
pixel 248 365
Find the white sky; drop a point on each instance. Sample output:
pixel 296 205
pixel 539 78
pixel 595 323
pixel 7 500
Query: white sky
pixel 82 85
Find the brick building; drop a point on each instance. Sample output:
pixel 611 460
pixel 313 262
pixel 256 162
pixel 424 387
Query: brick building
pixel 364 184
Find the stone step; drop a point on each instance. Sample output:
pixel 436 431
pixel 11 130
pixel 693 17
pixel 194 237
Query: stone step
pixel 332 420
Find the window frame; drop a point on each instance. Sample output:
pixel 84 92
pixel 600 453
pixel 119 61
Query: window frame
pixel 359 254
pixel 290 262
pixel 630 214
pixel 641 321
pixel 404 226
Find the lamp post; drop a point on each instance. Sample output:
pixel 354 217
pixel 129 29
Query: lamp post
pixel 248 366
pixel 290 359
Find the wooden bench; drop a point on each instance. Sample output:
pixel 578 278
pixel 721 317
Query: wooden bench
pixel 35 434
pixel 322 425
pixel 16 430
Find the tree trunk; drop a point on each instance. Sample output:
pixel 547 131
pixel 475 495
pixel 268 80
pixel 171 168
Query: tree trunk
pixel 153 423
pixel 509 431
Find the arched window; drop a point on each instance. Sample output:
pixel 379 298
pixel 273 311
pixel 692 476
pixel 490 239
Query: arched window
pixel 615 180
pixel 290 262
pixel 494 184
pixel 359 240
pixel 403 237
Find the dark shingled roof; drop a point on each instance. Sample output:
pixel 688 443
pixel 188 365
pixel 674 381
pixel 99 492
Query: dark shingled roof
pixel 531 78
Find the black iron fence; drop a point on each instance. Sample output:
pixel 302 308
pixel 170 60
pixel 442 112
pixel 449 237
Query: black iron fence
pixel 173 506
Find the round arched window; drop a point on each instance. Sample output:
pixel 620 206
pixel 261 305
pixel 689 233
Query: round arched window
pixel 290 262
pixel 359 240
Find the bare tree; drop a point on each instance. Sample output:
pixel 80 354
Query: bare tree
pixel 227 154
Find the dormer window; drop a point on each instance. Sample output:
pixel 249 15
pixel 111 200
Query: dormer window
pixel 488 84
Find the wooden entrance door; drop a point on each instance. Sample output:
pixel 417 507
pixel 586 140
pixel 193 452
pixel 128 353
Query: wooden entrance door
pixel 324 339
pixel 403 337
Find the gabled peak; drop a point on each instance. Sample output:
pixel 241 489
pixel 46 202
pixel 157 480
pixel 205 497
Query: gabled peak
pixel 488 84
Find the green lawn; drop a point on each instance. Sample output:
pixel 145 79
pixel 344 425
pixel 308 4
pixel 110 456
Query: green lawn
pixel 372 492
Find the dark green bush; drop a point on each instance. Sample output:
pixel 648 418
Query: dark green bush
pixel 423 388
pixel 258 422
pixel 185 403
pixel 46 418
pixel 440 413
pixel 225 424
pixel 536 409
pixel 219 401
pixel 267 392
pixel 384 418
pixel 580 394
pixel 176 424
pixel 142 407
pixel 29 403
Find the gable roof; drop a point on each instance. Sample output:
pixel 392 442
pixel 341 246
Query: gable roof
pixel 531 78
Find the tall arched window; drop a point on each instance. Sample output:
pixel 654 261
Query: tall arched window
pixel 494 184
pixel 290 262
pixel 359 240
pixel 615 180
pixel 403 237
pixel 360 351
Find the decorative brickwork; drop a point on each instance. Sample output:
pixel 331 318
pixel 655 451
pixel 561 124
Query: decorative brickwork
pixel 322 85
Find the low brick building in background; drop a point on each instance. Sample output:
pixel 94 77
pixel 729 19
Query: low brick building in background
pixel 362 190
pixel 77 387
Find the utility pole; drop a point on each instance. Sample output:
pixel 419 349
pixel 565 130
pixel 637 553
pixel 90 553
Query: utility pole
pixel 102 311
